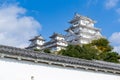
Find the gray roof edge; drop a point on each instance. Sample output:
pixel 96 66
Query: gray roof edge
pixel 8 50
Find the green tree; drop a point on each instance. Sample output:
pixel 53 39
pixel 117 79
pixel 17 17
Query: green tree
pixel 98 49
pixel 102 44
pixel 70 51
pixel 47 50
pixel 89 52
pixel 37 49
pixel 84 52
pixel 110 57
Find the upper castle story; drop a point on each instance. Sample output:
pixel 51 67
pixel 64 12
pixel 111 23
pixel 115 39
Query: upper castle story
pixel 81 31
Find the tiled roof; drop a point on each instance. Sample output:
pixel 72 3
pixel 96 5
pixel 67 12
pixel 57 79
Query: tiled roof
pixel 56 34
pixel 29 55
pixel 78 17
pixel 39 37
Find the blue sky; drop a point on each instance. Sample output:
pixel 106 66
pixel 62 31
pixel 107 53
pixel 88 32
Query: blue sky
pixel 54 15
pixel 48 16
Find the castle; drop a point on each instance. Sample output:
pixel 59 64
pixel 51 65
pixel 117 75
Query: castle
pixel 81 31
pixel 37 65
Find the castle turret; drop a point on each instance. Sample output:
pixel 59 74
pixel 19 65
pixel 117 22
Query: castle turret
pixel 56 43
pixel 36 43
pixel 82 30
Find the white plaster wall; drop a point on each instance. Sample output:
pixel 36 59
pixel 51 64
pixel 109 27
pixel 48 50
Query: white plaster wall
pixel 19 70
pixel 84 42
pixel 62 43
pixel 40 42
pixel 91 25
pixel 59 38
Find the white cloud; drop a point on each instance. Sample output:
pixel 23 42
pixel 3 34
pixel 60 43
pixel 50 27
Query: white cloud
pixel 16 28
pixel 117 49
pixel 111 3
pixel 115 38
pixel 115 41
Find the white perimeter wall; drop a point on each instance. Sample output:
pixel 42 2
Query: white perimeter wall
pixel 21 70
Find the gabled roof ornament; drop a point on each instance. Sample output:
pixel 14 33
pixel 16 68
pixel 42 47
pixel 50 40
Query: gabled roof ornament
pixel 76 14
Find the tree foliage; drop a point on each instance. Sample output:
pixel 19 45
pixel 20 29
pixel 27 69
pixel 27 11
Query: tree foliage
pixel 47 50
pixel 102 45
pixel 84 52
pixel 98 49
pixel 110 57
pixel 37 49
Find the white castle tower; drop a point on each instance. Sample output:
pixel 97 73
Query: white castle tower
pixel 56 43
pixel 36 43
pixel 82 30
